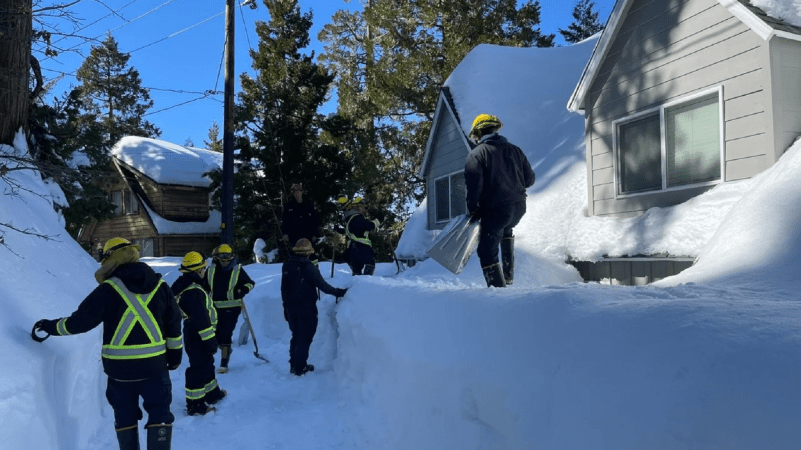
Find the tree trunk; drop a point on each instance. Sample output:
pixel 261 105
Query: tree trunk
pixel 16 25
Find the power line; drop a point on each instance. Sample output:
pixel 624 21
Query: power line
pixel 180 104
pixel 179 32
pixel 177 91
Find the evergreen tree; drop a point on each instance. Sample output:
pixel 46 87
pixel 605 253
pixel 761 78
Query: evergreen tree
pixel 214 143
pixel 585 22
pixel 280 132
pixel 391 61
pixel 113 93
pixel 189 143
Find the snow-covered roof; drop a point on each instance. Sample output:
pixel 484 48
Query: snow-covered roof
pixel 167 163
pixel 167 227
pixel 775 18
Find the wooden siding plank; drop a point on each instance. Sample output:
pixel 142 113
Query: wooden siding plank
pixel 745 126
pixel 745 105
pixel 603 176
pixel 746 147
pixel 602 161
pixel 603 191
pixel 740 169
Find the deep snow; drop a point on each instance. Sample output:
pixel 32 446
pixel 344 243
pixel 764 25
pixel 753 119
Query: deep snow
pixel 424 359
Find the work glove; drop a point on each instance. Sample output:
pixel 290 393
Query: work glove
pixel 339 294
pixel 46 326
pixel 210 346
pixel 174 358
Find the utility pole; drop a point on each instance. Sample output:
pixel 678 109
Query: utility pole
pixel 227 225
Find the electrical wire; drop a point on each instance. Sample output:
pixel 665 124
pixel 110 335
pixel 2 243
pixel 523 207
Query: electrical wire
pixel 179 32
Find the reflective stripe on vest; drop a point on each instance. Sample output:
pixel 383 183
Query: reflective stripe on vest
pixel 230 301
pixel 137 312
pixel 351 236
pixel 207 333
pixel 61 327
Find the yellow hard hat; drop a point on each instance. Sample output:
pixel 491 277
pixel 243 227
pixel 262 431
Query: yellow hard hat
pixel 192 262
pixel 115 244
pixel 482 122
pixel 223 252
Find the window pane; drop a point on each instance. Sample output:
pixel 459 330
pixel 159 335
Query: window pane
pixel 443 195
pixel 147 246
pixel 640 155
pixel 692 133
pixel 458 195
pixel 116 198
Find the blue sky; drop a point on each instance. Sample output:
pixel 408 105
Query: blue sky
pixel 177 47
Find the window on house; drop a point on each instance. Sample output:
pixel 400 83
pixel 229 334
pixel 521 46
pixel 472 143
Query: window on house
pixel 147 246
pixel 674 146
pixel 131 205
pixel 450 197
pixel 116 198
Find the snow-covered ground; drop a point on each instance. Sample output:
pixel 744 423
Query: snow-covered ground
pixel 424 359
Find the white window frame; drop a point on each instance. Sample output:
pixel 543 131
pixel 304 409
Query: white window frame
pixel 134 210
pixel 450 189
pixel 616 154
pixel 119 207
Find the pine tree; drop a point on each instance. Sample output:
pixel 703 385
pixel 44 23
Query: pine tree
pixel 214 143
pixel 585 22
pixel 391 61
pixel 113 93
pixel 280 130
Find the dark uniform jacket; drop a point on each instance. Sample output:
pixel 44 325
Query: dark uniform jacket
pixel 357 228
pixel 200 317
pixel 496 172
pixel 299 283
pixel 105 305
pixel 226 291
pixel 300 220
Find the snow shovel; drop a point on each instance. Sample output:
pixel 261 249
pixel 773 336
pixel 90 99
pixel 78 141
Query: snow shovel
pixel 455 244
pixel 244 333
pixel 253 335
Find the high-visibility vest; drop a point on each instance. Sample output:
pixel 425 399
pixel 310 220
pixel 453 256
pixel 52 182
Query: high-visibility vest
pixel 365 240
pixel 206 333
pixel 230 301
pixel 137 312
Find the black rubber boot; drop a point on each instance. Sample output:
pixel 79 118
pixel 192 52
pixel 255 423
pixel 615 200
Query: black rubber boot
pixel 225 357
pixel 508 259
pixel 215 396
pixel 198 408
pixel 494 275
pixel 128 438
pixel 369 269
pixel 159 436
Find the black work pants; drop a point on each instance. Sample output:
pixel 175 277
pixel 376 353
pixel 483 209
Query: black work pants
pixel 359 255
pixel 497 223
pixel 156 394
pixel 226 322
pixel 303 325
pixel 200 377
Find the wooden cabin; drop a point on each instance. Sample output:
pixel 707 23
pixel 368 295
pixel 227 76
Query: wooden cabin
pixel 162 199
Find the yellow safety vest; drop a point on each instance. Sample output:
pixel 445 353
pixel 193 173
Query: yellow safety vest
pixel 207 333
pixel 137 312
pixel 230 301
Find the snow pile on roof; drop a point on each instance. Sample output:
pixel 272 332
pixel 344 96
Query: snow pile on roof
pixel 786 10
pixel 167 163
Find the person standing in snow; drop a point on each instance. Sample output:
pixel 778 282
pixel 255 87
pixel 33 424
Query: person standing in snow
pixel 496 174
pixel 200 321
pixel 228 284
pixel 359 252
pixel 300 219
pixel 141 341
pixel 300 280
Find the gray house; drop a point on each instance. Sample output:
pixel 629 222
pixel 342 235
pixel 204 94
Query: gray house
pixel 681 95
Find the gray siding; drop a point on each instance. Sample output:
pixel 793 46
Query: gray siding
pixel 785 60
pixel 666 50
pixel 448 153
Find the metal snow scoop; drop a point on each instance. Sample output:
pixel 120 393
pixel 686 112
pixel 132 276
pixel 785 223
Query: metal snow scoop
pixel 456 243
pixel 253 335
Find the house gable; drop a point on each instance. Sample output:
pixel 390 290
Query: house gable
pixel 663 53
pixel 445 154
